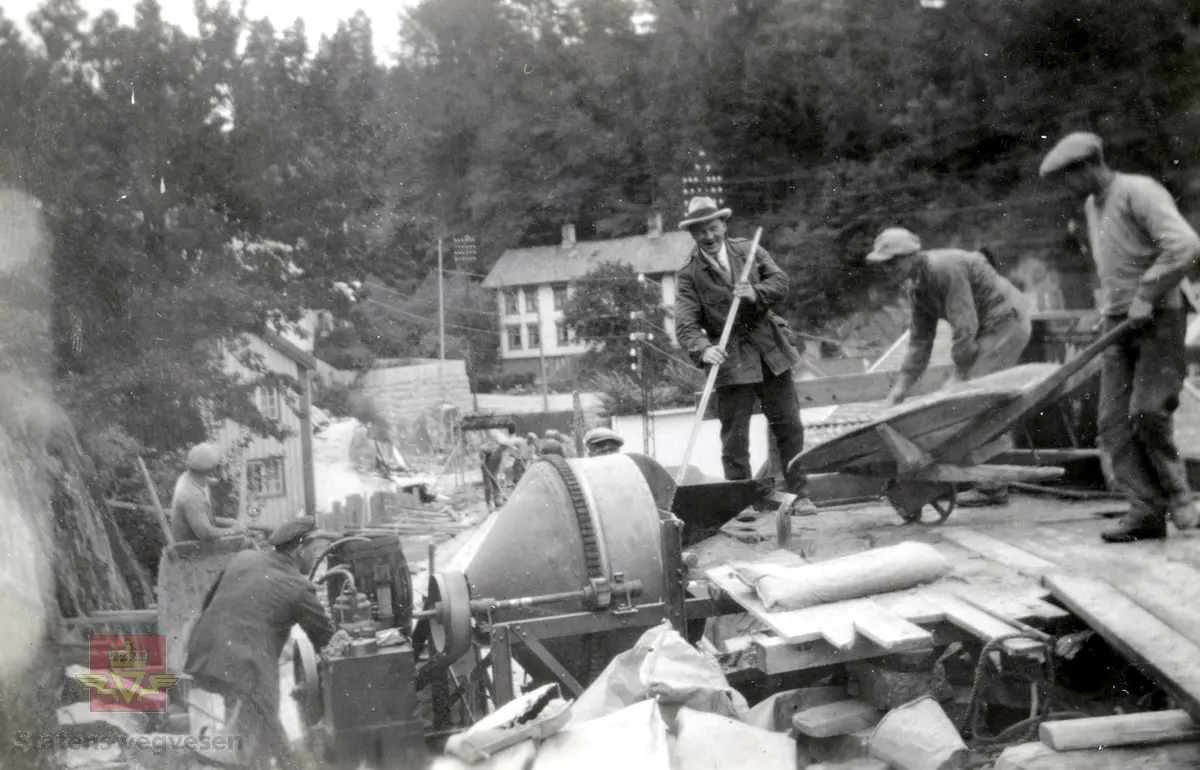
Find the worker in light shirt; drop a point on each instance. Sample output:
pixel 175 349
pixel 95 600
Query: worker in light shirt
pixel 1143 249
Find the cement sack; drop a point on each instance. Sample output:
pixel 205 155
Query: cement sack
pixel 849 577
pixel 709 742
pixel 634 737
pixel 531 717
pixel 661 666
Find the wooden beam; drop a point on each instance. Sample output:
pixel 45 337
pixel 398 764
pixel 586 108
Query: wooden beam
pixel 162 515
pixel 834 719
pixel 1000 552
pixel 1039 756
pixel 1166 656
pixel 1120 730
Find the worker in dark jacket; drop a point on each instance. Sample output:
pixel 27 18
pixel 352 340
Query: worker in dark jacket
pixel 758 361
pixel 246 619
pixel 989 317
pixel 1143 249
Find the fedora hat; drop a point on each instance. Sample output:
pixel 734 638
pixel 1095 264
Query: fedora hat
pixel 701 210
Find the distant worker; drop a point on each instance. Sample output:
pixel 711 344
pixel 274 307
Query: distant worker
pixel 1143 249
pixel 602 441
pixel 192 514
pixel 757 364
pixel 491 462
pixel 566 443
pixel 245 622
pixel 552 447
pixel 522 457
pixel 989 317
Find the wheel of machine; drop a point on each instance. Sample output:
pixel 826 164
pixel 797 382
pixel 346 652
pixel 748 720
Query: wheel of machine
pixel 944 505
pixel 451 594
pixel 909 499
pixel 307 685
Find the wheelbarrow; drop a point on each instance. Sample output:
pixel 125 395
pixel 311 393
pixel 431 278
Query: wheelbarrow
pixel 925 449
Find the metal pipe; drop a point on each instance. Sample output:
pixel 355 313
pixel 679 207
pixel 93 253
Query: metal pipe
pixel 339 571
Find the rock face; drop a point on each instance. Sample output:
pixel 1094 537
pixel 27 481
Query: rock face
pixel 56 544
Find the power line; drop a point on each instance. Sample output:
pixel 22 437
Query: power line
pixel 416 317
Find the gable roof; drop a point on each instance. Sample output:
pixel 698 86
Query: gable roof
pixel 291 350
pixel 664 253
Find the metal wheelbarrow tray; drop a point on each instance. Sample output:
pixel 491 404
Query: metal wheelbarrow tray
pixel 926 447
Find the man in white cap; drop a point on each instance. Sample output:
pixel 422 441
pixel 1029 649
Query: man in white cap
pixel 602 441
pixel 989 317
pixel 1143 249
pixel 757 364
pixel 192 515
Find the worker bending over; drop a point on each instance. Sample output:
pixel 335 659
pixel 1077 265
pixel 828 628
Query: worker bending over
pixel 990 318
pixel 192 515
pixel 1143 249
pixel 757 364
pixel 245 622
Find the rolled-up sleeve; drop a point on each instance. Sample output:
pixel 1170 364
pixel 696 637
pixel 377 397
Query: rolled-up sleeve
pixel 1179 246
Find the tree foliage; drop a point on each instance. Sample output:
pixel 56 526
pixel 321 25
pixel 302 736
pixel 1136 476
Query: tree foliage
pixel 169 163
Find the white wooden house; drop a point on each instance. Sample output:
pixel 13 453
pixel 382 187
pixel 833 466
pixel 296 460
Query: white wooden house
pixel 280 475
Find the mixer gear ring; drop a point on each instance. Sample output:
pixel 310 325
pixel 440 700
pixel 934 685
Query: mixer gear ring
pixel 593 652
pixel 307 690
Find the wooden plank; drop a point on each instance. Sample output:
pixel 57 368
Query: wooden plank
pixel 1046 456
pixel 982 474
pixel 980 624
pixel 834 719
pixel 836 623
pixel 1166 655
pixel 863 388
pixel 998 551
pixel 1038 756
pixel 1120 730
pixel 1159 593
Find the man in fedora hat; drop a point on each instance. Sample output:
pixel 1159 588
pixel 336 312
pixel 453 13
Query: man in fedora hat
pixel 990 318
pixel 759 358
pixel 1143 249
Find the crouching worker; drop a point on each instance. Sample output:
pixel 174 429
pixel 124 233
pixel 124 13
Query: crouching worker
pixel 990 318
pixel 245 622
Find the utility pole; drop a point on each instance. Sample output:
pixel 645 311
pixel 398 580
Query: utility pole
pixel 640 365
pixel 441 307
pixel 542 356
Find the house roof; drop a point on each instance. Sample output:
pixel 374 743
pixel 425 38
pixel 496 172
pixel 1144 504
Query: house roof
pixel 664 253
pixel 290 350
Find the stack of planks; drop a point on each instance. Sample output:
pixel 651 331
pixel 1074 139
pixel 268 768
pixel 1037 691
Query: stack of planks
pixel 1143 611
pixel 401 513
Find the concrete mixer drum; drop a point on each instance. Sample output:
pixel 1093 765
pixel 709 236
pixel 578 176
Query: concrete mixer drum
pixel 570 526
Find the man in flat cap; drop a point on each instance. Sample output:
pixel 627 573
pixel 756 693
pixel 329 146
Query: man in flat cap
pixel 246 619
pixel 1143 249
pixel 989 317
pixel 602 441
pixel 192 515
pixel 759 359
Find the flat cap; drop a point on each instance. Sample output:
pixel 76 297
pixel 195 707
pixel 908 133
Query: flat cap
pixel 598 435
pixel 894 242
pixel 291 533
pixel 552 447
pixel 1071 149
pixel 203 458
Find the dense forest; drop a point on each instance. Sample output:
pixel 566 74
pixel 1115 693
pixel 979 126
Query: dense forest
pixel 201 185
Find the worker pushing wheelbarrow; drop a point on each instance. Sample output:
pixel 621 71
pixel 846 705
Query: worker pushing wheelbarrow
pixel 929 447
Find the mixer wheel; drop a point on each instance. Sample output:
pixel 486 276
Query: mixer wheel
pixel 452 596
pixel 307 689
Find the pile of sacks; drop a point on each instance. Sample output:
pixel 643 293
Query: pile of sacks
pixel 661 705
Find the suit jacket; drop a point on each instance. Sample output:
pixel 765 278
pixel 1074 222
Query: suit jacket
pixel 245 622
pixel 703 297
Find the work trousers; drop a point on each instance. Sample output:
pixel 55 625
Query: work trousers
pixel 1141 379
pixel 1000 348
pixel 490 462
pixel 735 407
pixel 260 735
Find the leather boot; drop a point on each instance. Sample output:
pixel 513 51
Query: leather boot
pixel 1185 514
pixel 1137 525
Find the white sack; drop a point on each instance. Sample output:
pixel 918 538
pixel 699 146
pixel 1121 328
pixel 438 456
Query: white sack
pixel 849 577
pixel 512 723
pixel 662 666
pixel 634 738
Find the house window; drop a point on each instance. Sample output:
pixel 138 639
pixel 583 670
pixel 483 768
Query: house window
pixel 531 300
pixel 510 303
pixel 560 297
pixel 535 337
pixel 514 337
pixel 264 478
pixel 564 333
pixel 268 403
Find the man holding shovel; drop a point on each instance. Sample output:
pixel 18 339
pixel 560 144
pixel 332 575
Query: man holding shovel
pixel 1143 249
pixel 758 360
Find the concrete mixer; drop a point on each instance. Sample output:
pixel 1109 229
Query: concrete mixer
pixel 584 557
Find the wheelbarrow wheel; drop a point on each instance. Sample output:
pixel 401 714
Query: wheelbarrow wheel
pixel 908 500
